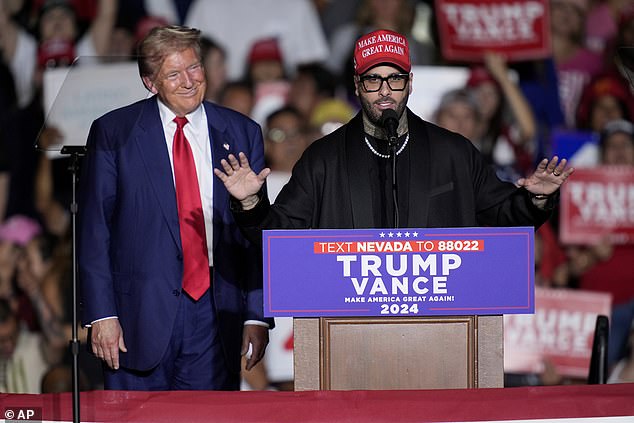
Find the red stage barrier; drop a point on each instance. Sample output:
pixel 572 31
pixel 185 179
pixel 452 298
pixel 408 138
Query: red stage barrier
pixel 336 406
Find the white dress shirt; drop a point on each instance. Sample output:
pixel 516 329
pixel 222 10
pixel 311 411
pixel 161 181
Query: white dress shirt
pixel 197 133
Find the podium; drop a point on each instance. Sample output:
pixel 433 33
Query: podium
pixel 434 352
pixel 380 309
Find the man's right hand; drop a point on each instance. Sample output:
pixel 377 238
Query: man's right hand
pixel 107 340
pixel 240 180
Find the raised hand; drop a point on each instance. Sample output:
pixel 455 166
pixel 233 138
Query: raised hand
pixel 548 177
pixel 496 65
pixel 239 179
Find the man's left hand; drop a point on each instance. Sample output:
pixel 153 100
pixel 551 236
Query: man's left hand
pixel 548 177
pixel 258 337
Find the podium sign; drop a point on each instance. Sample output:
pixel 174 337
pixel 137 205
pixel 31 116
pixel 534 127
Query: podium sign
pixel 398 272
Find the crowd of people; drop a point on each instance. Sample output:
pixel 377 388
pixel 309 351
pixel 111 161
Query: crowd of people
pixel 292 73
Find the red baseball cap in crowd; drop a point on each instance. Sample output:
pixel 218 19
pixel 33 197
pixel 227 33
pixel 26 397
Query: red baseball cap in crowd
pixel 604 85
pixel 479 75
pixel 381 47
pixel 265 49
pixel 55 52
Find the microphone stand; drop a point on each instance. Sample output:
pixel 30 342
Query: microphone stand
pixel 389 122
pixel 74 152
pixel 598 373
pixel 393 143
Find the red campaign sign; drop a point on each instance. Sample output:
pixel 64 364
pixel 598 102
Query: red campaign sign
pixel 597 203
pixel 561 331
pixel 518 29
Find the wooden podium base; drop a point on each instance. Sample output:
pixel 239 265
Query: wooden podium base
pixel 444 352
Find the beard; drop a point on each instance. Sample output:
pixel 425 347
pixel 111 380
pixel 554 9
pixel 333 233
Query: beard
pixel 374 113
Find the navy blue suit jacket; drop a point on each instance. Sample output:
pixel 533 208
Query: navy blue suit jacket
pixel 129 247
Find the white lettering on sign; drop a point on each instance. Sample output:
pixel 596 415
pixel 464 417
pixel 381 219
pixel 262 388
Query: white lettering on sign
pixel 372 268
pixel 604 204
pixel 495 23
pixel 553 330
pixel 414 264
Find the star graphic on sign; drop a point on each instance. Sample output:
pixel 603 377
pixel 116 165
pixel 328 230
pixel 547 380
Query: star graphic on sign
pixel 390 234
pixel 398 234
pixel 415 234
pixel 382 234
pixel 406 234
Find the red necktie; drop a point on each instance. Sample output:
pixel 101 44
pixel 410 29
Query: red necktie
pixel 190 216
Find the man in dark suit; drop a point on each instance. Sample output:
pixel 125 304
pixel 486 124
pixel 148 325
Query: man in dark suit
pixel 171 290
pixel 344 180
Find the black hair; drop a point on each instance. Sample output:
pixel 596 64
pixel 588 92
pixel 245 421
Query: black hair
pixel 49 5
pixel 46 244
pixel 242 83
pixel 6 312
pixel 325 81
pixel 284 109
pixel 208 44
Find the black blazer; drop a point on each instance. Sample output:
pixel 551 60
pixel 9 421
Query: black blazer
pixel 450 185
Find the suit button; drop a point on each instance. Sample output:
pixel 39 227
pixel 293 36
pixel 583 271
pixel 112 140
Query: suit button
pixel 176 292
pixel 179 257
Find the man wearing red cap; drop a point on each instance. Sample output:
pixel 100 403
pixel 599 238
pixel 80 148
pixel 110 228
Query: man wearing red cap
pixel 345 179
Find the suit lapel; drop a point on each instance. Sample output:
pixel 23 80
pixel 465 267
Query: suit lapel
pixel 358 183
pixel 420 172
pixel 153 151
pixel 222 145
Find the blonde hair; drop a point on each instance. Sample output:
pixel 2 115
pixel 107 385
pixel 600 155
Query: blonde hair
pixel 162 41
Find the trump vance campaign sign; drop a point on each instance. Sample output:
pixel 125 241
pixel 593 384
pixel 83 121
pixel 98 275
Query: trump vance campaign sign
pixel 404 272
pixel 519 29
pixel 560 332
pixel 597 203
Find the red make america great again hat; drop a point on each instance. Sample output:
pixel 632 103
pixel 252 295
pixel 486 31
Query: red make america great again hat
pixel 382 46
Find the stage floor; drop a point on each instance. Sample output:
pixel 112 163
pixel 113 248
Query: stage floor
pixel 465 405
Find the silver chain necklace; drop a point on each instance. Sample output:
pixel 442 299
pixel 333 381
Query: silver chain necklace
pixel 386 156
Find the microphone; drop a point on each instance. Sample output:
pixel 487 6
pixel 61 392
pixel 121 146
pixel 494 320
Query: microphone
pixel 389 122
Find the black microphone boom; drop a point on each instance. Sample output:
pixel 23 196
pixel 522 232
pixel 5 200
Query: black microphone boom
pixel 389 122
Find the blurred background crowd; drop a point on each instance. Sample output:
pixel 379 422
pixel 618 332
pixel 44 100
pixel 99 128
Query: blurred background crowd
pixel 288 65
